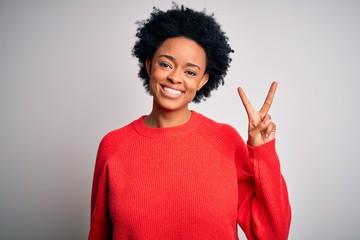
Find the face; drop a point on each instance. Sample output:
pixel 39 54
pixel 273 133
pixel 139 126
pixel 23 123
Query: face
pixel 177 72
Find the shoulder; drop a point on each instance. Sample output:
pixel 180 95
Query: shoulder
pixel 112 143
pixel 116 138
pixel 116 134
pixel 218 128
pixel 223 137
pixel 220 133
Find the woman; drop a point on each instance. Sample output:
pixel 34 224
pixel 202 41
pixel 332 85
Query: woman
pixel 175 174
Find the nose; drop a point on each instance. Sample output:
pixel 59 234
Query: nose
pixel 175 76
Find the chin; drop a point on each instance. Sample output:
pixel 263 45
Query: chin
pixel 171 105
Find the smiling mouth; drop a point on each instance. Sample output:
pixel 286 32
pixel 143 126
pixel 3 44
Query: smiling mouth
pixel 171 91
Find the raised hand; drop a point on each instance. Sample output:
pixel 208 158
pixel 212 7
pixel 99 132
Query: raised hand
pixel 261 129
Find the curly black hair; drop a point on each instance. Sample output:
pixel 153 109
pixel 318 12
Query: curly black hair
pixel 185 22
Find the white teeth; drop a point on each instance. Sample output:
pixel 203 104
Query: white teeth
pixel 172 91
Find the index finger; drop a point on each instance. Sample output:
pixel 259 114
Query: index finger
pixel 269 99
pixel 249 109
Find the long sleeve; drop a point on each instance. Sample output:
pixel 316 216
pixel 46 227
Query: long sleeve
pixel 100 225
pixel 264 209
pixel 194 181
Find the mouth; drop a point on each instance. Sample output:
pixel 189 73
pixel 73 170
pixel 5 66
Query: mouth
pixel 172 91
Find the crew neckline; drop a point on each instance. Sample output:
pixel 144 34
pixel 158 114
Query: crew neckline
pixel 191 125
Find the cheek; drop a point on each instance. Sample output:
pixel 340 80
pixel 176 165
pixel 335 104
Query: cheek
pixel 156 77
pixel 151 86
pixel 193 84
pixel 154 83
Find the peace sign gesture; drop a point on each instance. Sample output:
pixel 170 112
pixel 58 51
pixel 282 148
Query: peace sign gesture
pixel 261 128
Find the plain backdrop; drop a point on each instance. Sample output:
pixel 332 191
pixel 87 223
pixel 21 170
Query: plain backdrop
pixel 67 77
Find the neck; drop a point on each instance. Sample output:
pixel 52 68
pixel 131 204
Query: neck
pixel 162 118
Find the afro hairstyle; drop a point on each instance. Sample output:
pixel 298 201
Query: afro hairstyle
pixel 184 22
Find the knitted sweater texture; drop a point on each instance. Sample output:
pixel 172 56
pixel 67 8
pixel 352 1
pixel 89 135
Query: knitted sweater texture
pixel 194 181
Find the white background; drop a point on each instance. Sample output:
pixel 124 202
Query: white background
pixel 68 77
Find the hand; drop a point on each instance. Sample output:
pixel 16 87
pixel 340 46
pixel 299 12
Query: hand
pixel 261 128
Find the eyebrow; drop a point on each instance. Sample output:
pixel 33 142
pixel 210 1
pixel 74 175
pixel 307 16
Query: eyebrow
pixel 173 59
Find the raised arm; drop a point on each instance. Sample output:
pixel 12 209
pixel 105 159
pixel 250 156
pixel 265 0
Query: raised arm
pixel 264 209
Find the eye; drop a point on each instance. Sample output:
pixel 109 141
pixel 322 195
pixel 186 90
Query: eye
pixel 191 73
pixel 165 65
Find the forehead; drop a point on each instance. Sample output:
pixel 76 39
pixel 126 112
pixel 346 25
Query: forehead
pixel 182 49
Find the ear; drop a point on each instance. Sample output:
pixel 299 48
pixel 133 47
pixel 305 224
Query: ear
pixel 148 66
pixel 203 81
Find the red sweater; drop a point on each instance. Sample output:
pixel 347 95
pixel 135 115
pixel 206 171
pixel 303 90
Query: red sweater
pixel 195 181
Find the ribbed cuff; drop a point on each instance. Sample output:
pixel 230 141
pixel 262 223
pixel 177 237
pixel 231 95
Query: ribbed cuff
pixel 263 153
